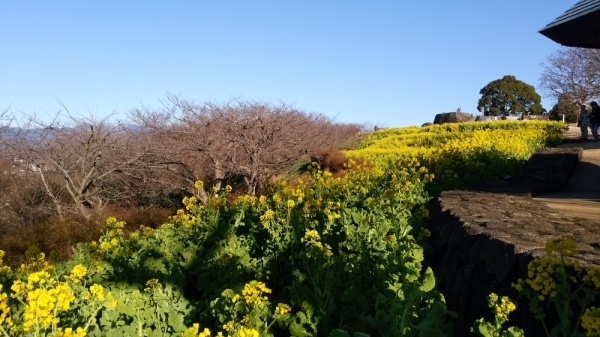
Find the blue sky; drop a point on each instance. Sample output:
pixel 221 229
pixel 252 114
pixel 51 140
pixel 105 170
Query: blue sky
pixel 385 63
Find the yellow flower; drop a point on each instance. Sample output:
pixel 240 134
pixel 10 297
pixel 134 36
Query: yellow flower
pixel 19 287
pixel 253 292
pixel 228 326
pixel 189 202
pixel 68 332
pixel 265 219
pixel 282 309
pixel 235 298
pixel 97 291
pixel 78 272
pixel 63 295
pixel 199 185
pixel 4 309
pixel 105 246
pixel 262 200
pixel 247 332
pixel 204 333
pixel 111 221
pixel 590 321
pixel 151 284
pixel 311 235
pixel 111 302
pixel 39 309
pixel 40 277
pixel 192 331
pixel 562 246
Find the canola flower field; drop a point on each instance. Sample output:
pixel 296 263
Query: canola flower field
pixel 319 254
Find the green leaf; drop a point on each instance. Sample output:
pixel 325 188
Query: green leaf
pixel 155 265
pixel 361 334
pixel 339 333
pixel 298 329
pixel 176 321
pixel 126 309
pixel 513 332
pixel 483 328
pixel 428 281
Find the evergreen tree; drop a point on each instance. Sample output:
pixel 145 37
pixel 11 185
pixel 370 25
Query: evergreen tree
pixel 508 96
pixel 565 106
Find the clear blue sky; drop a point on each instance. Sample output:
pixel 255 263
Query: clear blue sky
pixel 386 63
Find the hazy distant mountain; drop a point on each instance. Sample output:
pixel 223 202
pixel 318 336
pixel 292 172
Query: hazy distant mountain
pixel 31 134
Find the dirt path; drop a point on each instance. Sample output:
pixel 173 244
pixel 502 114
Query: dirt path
pixel 581 197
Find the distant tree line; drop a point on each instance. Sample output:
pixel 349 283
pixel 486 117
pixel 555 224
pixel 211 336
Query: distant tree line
pixel 571 76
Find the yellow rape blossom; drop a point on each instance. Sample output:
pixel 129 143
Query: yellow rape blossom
pixel 105 246
pixel 193 332
pixel 97 291
pixel 68 332
pixel 41 305
pixel 262 200
pixel 4 309
pixel 3 268
pixel 253 292
pixel 189 202
pixel 112 222
pixel 64 296
pixel 19 287
pixel 311 235
pixel 247 332
pixel 563 246
pixel 151 284
pixel 590 321
pixel 228 326
pixel 282 309
pixel 265 219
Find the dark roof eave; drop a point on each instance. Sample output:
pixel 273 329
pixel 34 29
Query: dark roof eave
pixel 577 27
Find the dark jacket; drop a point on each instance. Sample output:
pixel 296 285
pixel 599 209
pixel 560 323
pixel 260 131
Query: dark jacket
pixel 595 115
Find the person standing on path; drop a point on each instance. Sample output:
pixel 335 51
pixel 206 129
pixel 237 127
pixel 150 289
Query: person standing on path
pixel 595 120
pixel 583 122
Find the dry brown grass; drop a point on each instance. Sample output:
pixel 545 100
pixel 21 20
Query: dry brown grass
pixel 58 238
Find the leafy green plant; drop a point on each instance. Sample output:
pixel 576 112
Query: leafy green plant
pixel 557 283
pixel 250 309
pixel 501 308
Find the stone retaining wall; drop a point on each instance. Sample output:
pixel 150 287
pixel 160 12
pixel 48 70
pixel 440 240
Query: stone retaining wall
pixel 483 237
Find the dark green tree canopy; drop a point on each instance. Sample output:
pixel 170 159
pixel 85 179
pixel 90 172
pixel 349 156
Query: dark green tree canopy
pixel 509 96
pixel 565 106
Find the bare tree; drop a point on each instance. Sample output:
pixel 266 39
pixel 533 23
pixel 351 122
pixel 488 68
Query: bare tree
pixel 269 139
pixel 239 139
pixel 574 72
pixel 76 161
pixel 22 201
